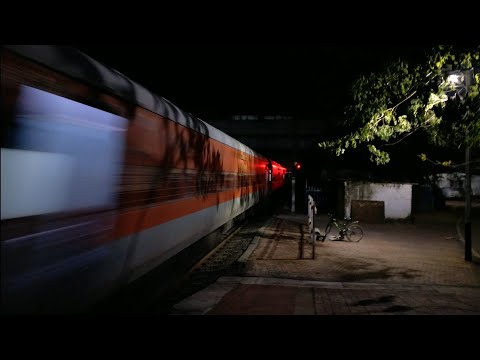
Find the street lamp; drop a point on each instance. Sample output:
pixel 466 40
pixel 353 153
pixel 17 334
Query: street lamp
pixel 460 80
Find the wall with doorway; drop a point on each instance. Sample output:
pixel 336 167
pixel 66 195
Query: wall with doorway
pixel 396 197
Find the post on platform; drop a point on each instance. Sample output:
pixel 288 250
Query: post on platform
pixel 296 168
pixel 293 194
pixel 312 210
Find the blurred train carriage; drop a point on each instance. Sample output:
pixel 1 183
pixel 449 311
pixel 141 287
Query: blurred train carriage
pixel 103 181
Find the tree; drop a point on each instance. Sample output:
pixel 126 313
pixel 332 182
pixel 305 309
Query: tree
pixel 392 105
pixel 406 98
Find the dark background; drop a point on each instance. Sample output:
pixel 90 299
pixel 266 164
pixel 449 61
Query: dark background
pixel 306 81
pixel 214 81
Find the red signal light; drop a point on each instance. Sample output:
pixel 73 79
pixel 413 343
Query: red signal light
pixel 298 166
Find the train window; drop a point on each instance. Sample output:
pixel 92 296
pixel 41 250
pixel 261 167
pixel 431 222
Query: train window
pixel 62 156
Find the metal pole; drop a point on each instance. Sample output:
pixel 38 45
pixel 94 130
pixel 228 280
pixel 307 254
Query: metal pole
pixel 314 240
pixel 293 194
pixel 468 191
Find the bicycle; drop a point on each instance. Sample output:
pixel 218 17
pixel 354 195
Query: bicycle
pixel 349 228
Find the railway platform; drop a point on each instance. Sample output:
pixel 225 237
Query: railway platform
pixel 396 269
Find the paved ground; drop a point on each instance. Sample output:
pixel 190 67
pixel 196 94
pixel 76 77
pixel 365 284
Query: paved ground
pixel 397 268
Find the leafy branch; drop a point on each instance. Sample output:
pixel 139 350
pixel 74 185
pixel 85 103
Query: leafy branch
pixel 448 163
pixel 390 106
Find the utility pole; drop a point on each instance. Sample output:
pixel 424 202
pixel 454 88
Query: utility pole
pixel 296 168
pixel 468 192
pixel 462 80
pixel 293 194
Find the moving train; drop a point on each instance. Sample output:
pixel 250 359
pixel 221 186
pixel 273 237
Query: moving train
pixel 103 181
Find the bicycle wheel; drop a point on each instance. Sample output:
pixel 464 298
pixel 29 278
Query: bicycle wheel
pixel 354 233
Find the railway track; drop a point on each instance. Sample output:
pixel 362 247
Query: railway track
pixel 158 292
pixel 162 291
pixel 219 262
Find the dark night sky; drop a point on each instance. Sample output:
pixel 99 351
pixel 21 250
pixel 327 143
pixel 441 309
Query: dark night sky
pixel 310 82
pixel 215 81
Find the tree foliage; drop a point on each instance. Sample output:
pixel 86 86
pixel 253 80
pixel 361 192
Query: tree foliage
pixel 405 98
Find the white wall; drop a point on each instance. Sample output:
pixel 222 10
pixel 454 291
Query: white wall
pixel 397 197
pixel 475 182
pixel 452 185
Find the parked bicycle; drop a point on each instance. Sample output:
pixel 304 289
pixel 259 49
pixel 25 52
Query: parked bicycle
pixel 347 228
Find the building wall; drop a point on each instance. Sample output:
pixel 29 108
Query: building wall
pixel 280 137
pixel 452 185
pixel 397 197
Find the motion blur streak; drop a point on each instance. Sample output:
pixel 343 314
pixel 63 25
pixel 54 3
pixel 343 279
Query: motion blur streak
pixel 103 181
